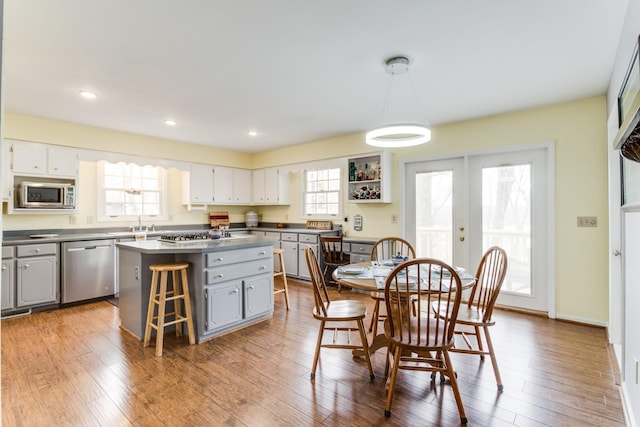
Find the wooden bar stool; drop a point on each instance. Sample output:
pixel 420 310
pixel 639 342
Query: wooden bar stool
pixel 160 297
pixel 280 253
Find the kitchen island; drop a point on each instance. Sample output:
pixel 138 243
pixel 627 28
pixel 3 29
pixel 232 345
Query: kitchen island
pixel 230 281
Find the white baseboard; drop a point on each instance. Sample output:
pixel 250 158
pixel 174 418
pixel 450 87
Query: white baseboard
pixel 628 410
pixel 582 320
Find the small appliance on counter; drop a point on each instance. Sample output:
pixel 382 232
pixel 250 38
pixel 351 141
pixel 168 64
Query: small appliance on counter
pixel 251 219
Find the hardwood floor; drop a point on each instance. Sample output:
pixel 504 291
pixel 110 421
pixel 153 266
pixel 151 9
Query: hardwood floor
pixel 76 367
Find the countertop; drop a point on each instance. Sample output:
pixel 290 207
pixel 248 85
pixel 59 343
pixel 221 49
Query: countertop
pixel 224 244
pixel 56 236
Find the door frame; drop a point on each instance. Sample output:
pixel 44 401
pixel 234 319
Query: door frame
pixel 549 147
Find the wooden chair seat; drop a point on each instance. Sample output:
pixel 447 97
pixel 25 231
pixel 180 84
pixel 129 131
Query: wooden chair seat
pixel 342 310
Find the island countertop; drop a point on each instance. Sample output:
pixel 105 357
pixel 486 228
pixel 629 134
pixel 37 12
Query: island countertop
pixel 218 245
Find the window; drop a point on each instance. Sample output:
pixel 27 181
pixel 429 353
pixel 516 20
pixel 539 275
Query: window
pixel 127 191
pixel 322 192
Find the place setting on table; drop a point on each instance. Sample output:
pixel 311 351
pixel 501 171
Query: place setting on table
pixel 372 275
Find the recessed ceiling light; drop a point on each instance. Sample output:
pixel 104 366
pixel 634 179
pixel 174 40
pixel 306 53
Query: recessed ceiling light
pixel 170 122
pixel 88 95
pixel 253 133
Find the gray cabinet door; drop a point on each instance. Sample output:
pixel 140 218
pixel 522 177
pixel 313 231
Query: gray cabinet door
pixel 224 304
pixel 7 284
pixel 35 281
pixel 290 257
pixel 258 296
pixel 303 269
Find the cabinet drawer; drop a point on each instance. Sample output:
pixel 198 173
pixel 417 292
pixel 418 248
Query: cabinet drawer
pixel 37 250
pixel 272 234
pixel 232 272
pixel 7 251
pixel 359 248
pixel 241 255
pixel 289 237
pixel 308 238
pixel 355 258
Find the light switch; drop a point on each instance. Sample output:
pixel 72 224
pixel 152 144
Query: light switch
pixel 587 221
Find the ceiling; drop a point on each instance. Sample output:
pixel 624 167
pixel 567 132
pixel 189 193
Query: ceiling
pixel 298 71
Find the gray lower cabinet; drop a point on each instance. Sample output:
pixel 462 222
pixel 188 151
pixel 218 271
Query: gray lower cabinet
pixel 224 305
pixel 8 278
pixel 238 288
pixel 290 257
pixel 360 252
pixel 36 274
pixel 306 240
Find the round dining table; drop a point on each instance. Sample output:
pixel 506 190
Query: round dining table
pixel 361 276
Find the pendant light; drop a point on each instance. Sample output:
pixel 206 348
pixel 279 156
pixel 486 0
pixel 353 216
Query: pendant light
pixel 401 134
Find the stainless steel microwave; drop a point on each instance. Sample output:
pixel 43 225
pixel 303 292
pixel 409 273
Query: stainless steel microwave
pixel 47 195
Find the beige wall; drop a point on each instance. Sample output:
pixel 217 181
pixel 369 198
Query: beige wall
pixel 578 130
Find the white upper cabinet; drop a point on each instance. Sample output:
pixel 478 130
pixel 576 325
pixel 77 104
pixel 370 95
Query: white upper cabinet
pixel 197 185
pixel 62 161
pixel 258 177
pixel 28 158
pixel 222 185
pixel 270 187
pixel 242 186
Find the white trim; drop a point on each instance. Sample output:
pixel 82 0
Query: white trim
pixel 582 320
pixel 627 406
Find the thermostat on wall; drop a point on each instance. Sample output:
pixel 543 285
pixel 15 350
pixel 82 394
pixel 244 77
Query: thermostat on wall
pixel 357 222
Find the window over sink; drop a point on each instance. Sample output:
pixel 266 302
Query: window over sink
pixel 127 191
pixel 322 193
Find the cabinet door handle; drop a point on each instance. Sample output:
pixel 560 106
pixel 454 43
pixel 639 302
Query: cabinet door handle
pixel 4 267
pixel 37 250
pixel 262 267
pixel 263 253
pixel 220 259
pixel 25 266
pixel 220 275
pixel 251 287
pixel 236 290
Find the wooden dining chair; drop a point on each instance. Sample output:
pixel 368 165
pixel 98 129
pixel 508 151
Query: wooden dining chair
pixel 340 313
pixel 385 249
pixel 421 342
pixel 477 313
pixel 332 255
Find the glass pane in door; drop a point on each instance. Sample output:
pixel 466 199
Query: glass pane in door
pixel 434 215
pixel 506 221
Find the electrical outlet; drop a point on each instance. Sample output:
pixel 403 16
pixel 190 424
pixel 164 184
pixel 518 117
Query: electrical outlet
pixel 394 219
pixel 89 219
pixel 72 220
pixel 587 221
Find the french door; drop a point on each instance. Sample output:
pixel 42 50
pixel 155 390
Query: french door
pixel 459 207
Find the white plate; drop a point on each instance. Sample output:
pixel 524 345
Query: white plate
pixel 42 236
pixel 352 270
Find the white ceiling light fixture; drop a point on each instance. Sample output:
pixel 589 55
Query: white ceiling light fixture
pixel 87 95
pixel 170 122
pixel 401 134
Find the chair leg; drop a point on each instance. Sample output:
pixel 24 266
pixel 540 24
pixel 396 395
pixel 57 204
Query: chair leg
pixel 365 347
pixel 479 339
pixel 161 312
pixel 454 384
pixel 316 356
pixel 494 362
pixel 151 308
pixel 177 307
pixel 187 307
pixel 392 381
pixel 374 317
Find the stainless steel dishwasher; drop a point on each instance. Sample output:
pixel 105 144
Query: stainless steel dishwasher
pixel 88 270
